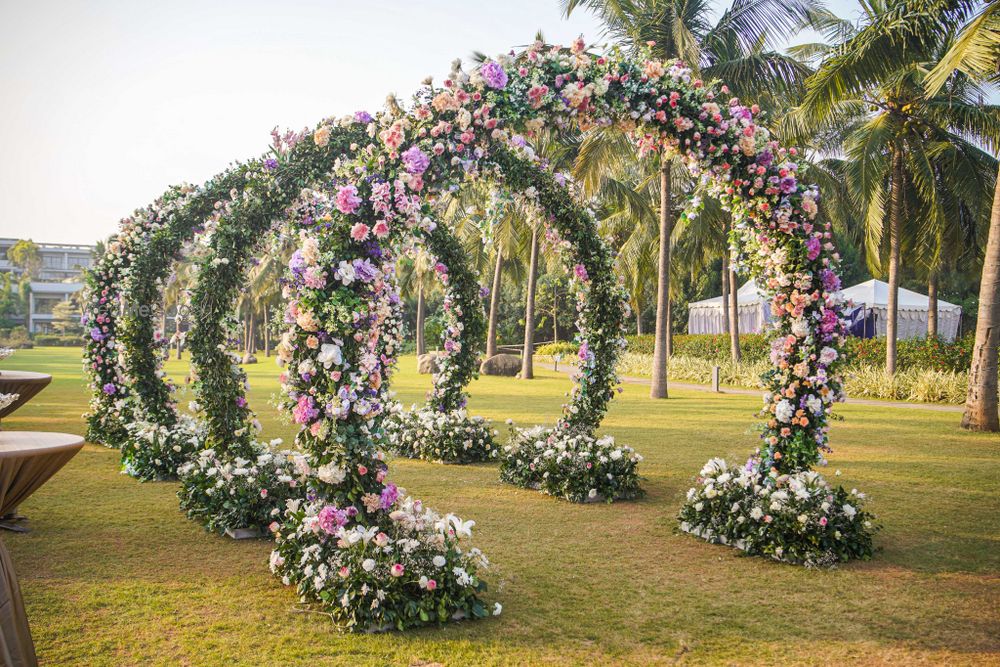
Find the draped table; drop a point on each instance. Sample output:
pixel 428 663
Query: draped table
pixel 27 460
pixel 24 383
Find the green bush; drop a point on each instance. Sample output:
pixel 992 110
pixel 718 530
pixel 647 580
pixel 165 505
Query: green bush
pixel 714 347
pixel 564 348
pixel 58 340
pixel 916 353
pixel 16 338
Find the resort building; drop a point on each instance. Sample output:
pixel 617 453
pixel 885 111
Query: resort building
pixel 57 279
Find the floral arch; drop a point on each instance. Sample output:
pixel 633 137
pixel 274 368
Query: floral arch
pixel 359 190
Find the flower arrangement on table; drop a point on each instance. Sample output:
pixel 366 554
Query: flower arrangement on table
pixel 796 518
pixel 450 437
pixel 571 465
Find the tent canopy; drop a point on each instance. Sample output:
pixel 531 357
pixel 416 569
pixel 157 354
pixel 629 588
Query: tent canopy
pixel 705 316
pixel 913 309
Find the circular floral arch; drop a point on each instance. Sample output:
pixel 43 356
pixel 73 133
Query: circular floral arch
pixel 351 540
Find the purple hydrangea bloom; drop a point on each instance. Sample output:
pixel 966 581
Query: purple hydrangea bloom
pixel 788 184
pixel 831 281
pixel 97 335
pixel 765 158
pixel 389 495
pixel 270 164
pixel 364 270
pixel 494 75
pixel 362 117
pixel 813 247
pixel 415 161
pixel 109 388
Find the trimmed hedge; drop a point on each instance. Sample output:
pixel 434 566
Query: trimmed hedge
pixel 915 353
pixel 58 340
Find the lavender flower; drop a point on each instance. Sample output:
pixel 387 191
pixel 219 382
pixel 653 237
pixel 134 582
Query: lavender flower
pixel 494 75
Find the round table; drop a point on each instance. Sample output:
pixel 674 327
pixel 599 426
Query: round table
pixel 24 383
pixel 27 460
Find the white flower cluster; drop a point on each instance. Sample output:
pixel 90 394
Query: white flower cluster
pixel 451 437
pixel 229 493
pixel 796 518
pixel 571 465
pixel 155 451
pixel 403 566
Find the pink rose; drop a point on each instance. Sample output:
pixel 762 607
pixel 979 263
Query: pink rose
pixel 381 229
pixel 431 584
pixel 348 200
pixel 359 232
pixel 397 570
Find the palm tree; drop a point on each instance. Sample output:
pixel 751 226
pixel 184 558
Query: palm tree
pixel 976 54
pixel 878 71
pixel 734 50
pixel 416 278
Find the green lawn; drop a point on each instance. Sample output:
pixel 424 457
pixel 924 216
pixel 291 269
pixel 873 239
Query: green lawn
pixel 114 574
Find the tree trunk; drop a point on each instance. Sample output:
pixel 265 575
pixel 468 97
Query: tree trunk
pixel 734 317
pixel 421 314
pixel 895 216
pixel 527 368
pixel 638 320
pixel 555 311
pixel 658 386
pixel 932 305
pixel 267 332
pixel 177 333
pixel 491 335
pixel 725 290
pixel 981 403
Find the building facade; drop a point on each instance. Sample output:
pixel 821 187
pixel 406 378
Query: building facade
pixel 58 278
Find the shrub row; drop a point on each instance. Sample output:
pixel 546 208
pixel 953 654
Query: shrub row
pixel 916 353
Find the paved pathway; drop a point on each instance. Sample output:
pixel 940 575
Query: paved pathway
pixel 934 407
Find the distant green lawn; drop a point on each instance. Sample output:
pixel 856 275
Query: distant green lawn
pixel 114 574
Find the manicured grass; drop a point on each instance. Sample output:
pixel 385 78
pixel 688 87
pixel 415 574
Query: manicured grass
pixel 114 574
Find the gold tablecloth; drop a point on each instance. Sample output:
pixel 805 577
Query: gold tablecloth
pixel 27 460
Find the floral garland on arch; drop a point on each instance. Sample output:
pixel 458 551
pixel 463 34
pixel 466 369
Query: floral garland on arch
pixel 353 543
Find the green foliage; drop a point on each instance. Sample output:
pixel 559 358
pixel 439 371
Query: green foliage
pixel 25 255
pixel 714 347
pixel 565 348
pixel 58 340
pixel 16 337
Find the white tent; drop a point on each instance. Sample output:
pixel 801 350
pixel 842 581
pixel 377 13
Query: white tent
pixel 705 316
pixel 913 308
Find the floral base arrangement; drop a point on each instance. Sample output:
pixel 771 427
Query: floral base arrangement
pixel 234 494
pixel 156 452
pixel 795 518
pixel 571 465
pixel 387 563
pixel 449 437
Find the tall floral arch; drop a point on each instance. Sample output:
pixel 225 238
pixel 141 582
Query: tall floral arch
pixel 350 540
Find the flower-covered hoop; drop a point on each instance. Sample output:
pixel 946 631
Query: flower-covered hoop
pixel 354 543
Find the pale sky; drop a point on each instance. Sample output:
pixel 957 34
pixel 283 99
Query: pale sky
pixel 107 102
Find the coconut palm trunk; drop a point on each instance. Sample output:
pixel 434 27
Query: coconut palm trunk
pixel 555 312
pixel 661 347
pixel 734 317
pixel 267 332
pixel 725 291
pixel 895 218
pixel 981 403
pixel 932 304
pixel 491 335
pixel 527 368
pixel 421 314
